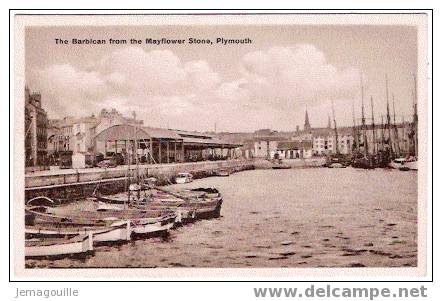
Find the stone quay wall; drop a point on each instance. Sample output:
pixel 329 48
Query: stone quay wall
pixel 70 184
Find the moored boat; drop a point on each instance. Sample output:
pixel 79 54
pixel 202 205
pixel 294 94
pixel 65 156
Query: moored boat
pixel 188 204
pixel 110 224
pixel 337 161
pixel 404 164
pixel 194 203
pixel 363 163
pixel 281 166
pixel 183 177
pixel 222 172
pixel 43 247
pixel 118 231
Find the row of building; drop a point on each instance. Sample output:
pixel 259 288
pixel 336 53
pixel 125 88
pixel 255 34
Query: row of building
pixel 310 141
pixel 110 133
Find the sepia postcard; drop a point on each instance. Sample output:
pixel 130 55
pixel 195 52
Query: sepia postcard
pixel 221 146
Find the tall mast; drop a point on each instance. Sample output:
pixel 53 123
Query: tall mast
pixel 415 117
pixel 396 132
pixel 388 118
pixel 373 127
pixel 364 133
pixel 336 129
pixel 403 135
pixel 355 130
pixel 382 133
pixel 136 154
pixel 128 176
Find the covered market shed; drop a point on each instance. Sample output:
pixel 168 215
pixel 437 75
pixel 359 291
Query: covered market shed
pixel 158 145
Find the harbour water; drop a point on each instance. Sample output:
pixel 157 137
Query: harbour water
pixel 315 217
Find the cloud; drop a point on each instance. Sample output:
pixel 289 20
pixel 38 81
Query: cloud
pixel 298 75
pixel 162 88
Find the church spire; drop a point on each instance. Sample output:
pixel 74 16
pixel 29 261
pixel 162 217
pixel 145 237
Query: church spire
pixel 306 122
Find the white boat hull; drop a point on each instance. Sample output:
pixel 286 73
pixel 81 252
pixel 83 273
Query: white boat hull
pixel 119 231
pixel 412 165
pixel 76 247
pixel 152 228
pixel 116 234
pixel 183 180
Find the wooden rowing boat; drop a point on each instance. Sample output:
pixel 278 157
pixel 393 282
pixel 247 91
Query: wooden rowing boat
pixel 118 231
pixel 108 225
pixel 188 204
pixel 38 247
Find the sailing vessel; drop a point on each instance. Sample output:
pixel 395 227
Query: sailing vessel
pixel 336 160
pixel 410 161
pixel 363 160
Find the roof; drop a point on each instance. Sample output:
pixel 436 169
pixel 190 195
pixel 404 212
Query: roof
pixel 287 145
pixel 214 142
pixel 160 133
pixel 193 134
pixel 127 132
pixel 270 138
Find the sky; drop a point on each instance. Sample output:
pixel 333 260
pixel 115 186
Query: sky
pixel 268 83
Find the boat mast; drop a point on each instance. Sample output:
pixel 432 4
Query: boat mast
pixel 396 132
pixel 336 129
pixel 388 119
pixel 382 133
pixel 355 130
pixel 128 177
pixel 136 154
pixel 373 127
pixel 415 117
pixel 403 136
pixel 364 129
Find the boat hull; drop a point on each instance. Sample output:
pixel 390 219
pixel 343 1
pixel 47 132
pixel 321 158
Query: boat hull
pixel 118 232
pixel 59 247
pixel 182 180
pixel 411 165
pixel 153 228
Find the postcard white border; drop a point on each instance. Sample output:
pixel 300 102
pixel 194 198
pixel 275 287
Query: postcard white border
pixel 420 19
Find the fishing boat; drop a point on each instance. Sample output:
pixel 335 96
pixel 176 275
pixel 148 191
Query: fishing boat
pixel 49 247
pixel 336 165
pixel 410 160
pixel 197 203
pixel 183 177
pixel 404 164
pixel 364 160
pixel 108 224
pixel 187 204
pixel 337 161
pixel 120 231
pixel 222 172
pixel 281 166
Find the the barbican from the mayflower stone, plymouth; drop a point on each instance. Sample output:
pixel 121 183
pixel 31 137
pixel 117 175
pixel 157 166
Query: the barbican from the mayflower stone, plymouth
pixel 81 142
